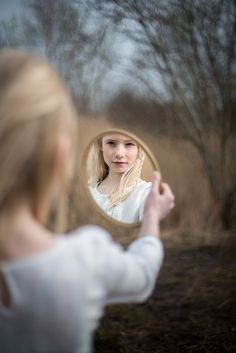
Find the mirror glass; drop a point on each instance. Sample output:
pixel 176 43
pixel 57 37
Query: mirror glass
pixel 118 169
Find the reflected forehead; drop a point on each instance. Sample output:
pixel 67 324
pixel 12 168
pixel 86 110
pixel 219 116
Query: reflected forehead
pixel 117 138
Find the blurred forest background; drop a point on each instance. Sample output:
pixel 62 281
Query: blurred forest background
pixel 166 71
pixel 163 69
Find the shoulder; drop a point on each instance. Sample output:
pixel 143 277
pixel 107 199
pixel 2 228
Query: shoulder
pixel 89 246
pixel 91 231
pixel 140 191
pixel 88 237
pixel 143 187
pixel 144 184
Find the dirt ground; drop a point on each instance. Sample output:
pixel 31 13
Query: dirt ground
pixel 193 307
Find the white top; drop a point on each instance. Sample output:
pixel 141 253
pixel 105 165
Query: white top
pixel 58 296
pixel 129 210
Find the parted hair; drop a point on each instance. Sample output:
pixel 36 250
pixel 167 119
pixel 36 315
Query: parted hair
pixel 98 170
pixel 35 108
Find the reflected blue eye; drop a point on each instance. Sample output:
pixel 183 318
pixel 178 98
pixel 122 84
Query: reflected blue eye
pixel 114 143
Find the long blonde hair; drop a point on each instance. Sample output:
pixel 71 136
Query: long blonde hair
pixel 98 170
pixel 34 108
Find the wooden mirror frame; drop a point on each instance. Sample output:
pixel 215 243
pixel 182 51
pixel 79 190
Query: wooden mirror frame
pixel 85 155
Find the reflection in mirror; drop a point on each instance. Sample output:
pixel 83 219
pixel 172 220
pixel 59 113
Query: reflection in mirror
pixel 118 175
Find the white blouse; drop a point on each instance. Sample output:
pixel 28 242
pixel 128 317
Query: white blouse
pixel 129 210
pixel 58 296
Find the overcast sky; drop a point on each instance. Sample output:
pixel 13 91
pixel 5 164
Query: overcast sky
pixel 117 75
pixel 9 8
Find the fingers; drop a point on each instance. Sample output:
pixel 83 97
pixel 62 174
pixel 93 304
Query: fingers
pixel 156 177
pixel 167 191
pixel 163 188
pixel 169 194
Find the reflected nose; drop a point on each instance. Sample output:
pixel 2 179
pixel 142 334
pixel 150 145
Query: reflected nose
pixel 120 153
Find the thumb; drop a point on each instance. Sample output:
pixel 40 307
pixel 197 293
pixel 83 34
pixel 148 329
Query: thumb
pixel 156 180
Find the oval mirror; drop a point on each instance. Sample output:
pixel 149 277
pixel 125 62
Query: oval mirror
pixel 117 169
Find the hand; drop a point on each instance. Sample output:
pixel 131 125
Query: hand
pixel 158 204
pixel 160 200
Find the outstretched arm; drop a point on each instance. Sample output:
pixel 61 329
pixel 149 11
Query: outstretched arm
pixel 132 274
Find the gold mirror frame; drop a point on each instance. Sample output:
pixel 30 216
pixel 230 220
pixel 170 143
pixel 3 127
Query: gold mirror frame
pixel 84 159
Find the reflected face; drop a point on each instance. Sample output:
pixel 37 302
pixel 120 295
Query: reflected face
pixel 119 152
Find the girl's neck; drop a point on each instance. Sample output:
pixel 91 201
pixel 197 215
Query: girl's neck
pixel 110 183
pixel 113 179
pixel 24 237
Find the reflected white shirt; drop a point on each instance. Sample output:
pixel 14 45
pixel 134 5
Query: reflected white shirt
pixel 129 210
pixel 58 296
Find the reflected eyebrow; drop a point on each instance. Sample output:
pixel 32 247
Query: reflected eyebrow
pixel 110 140
pixel 130 141
pixel 125 141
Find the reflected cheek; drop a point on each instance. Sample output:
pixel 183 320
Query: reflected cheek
pixel 106 155
pixel 133 156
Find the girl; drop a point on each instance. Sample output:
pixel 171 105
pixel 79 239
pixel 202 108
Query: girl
pixel 115 181
pixel 53 289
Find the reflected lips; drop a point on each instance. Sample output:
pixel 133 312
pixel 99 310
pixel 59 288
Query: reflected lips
pixel 119 163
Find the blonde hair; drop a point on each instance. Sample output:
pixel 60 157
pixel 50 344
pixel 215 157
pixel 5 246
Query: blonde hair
pixel 98 170
pixel 35 108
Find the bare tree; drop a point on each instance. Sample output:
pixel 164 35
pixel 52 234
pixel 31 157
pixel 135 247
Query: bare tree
pixel 185 55
pixel 65 33
pixel 11 33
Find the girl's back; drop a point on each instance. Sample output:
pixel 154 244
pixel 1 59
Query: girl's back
pixel 58 295
pixel 53 292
